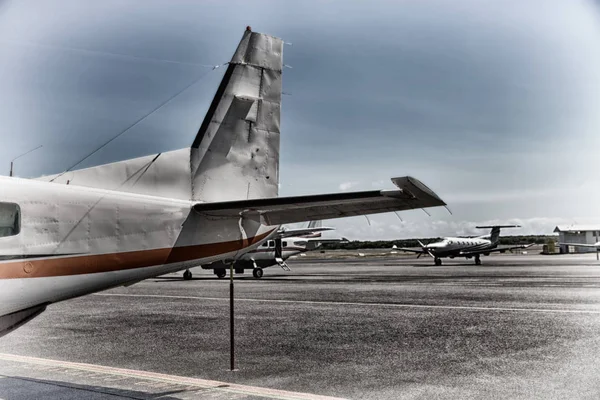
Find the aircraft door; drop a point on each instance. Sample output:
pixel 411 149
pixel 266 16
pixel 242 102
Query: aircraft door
pixel 279 255
pixel 278 249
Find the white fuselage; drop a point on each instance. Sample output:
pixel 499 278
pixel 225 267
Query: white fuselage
pixel 77 240
pixel 457 246
pixel 266 253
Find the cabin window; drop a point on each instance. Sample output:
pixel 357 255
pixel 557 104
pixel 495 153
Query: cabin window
pixel 284 244
pixel 265 244
pixel 271 243
pixel 10 219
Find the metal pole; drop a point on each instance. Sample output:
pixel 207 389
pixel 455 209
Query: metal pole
pixel 231 321
pixel 19 156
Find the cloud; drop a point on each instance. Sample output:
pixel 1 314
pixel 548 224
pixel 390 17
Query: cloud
pixel 389 227
pixel 348 185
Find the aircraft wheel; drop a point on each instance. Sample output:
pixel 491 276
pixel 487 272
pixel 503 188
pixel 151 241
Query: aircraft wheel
pixel 438 261
pixel 187 275
pixel 220 273
pixel 257 273
pixel 477 261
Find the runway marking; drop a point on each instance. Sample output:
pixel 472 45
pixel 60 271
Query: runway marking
pixel 344 303
pixel 192 383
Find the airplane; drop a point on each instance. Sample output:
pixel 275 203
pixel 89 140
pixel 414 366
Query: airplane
pixel 88 230
pixel 275 251
pixel 260 258
pixel 468 247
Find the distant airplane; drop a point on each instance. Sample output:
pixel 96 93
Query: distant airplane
pixel 313 229
pixel 467 247
pixel 92 229
pixel 275 251
pixel 595 245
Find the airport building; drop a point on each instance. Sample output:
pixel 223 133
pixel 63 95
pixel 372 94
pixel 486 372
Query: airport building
pixel 584 234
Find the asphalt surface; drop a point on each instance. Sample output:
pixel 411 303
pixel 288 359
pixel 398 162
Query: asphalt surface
pixel 391 327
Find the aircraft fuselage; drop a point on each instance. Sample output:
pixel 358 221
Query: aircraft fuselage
pixel 76 240
pixel 460 247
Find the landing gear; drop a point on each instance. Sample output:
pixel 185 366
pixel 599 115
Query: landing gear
pixel 187 275
pixel 477 260
pixel 220 273
pixel 257 272
pixel 437 261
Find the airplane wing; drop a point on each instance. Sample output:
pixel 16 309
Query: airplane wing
pixel 322 241
pixel 283 210
pixel 412 250
pixel 314 243
pixel 579 244
pixel 497 249
pixel 284 233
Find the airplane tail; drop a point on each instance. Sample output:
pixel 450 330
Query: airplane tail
pixel 235 154
pixel 494 235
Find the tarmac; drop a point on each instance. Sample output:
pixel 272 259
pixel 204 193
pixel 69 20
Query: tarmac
pixel 373 327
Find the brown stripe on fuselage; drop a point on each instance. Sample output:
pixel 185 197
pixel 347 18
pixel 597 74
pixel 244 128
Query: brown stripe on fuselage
pixel 89 264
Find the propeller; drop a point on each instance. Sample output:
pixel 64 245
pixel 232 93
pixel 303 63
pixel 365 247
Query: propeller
pixel 425 249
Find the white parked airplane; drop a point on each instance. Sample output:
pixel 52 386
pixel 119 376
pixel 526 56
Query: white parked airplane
pixel 116 224
pixel 466 247
pixel 276 251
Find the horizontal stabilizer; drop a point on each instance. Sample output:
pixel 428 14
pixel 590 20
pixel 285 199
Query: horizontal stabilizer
pixel 283 210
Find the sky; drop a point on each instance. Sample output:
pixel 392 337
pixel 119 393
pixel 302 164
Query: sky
pixel 491 103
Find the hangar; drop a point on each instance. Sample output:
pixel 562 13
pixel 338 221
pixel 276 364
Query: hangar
pixel 584 234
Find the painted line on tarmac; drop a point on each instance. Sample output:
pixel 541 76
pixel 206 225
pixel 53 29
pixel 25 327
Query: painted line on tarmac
pixel 344 303
pixel 193 383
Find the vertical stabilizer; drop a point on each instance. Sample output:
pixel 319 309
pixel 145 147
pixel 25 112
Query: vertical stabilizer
pixel 235 155
pixel 494 235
